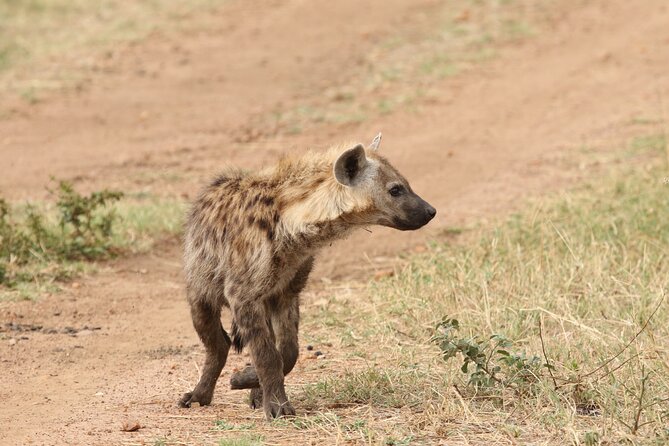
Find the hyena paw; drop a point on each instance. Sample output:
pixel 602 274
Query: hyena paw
pixel 194 397
pixel 255 398
pixel 275 409
pixel 245 379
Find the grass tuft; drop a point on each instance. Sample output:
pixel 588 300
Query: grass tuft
pixel 242 440
pixel 379 388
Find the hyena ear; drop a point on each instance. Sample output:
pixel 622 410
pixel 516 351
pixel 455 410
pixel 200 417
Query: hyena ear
pixel 375 142
pixel 350 165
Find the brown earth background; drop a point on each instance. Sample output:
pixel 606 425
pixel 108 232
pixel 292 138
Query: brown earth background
pixel 161 115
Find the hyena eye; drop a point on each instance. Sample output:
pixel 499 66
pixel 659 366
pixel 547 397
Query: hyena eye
pixel 396 191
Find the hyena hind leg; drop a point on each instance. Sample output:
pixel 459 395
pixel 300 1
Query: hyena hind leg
pixel 207 323
pixel 285 325
pixel 255 331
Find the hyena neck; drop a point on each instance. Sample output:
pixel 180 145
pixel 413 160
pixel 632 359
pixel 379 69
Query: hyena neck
pixel 318 209
pixel 314 237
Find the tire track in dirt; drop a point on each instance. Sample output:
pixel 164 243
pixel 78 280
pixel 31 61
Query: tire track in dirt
pixel 602 64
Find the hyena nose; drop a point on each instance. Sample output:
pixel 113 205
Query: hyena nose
pixel 431 212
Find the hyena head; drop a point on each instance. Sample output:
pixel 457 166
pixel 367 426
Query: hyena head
pixel 391 200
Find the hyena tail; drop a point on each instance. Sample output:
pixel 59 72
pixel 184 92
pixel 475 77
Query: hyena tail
pixel 237 339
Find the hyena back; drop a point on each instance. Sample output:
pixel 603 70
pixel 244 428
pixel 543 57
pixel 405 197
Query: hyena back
pixel 250 243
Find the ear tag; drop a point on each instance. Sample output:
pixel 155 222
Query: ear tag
pixel 375 142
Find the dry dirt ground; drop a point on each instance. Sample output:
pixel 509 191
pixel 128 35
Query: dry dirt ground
pixel 483 140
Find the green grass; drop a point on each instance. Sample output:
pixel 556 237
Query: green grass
pixel 649 143
pixel 562 326
pixel 42 244
pixel 143 219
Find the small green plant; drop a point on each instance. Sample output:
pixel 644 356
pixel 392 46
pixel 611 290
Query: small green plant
pixel 82 231
pixel 86 222
pixel 493 363
pixel 245 440
pixel 44 243
pixel 223 425
pixel 591 439
pixel 404 441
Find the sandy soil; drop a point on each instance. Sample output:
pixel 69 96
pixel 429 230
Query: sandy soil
pixel 506 129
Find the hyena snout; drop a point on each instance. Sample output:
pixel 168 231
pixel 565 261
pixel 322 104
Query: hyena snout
pixel 416 214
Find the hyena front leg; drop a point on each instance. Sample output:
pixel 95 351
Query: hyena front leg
pixel 207 323
pixel 255 331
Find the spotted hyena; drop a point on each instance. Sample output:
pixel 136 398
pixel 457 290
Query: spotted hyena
pixel 250 243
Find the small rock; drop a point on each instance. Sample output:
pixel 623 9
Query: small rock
pixel 130 426
pixel 318 353
pixel 383 274
pixel 12 341
pixel 310 347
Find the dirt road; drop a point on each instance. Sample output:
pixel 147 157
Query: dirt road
pixel 484 139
